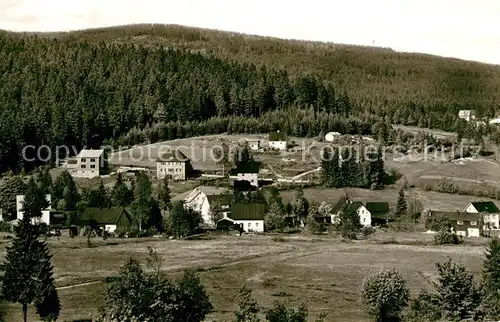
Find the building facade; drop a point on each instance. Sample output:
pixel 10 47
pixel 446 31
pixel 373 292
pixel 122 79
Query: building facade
pixel 254 145
pixel 89 163
pixel 489 211
pixel 174 165
pixel 44 218
pixel 278 140
pixel 467 115
pixel 249 217
pixel 249 172
pixel 200 200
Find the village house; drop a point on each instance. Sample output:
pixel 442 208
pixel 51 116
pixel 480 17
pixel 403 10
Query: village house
pixel 174 165
pixel 379 212
pixel 462 223
pixel 278 140
pixel 107 219
pixel 332 136
pixel 44 218
pixel 248 217
pixel 90 163
pixel 201 199
pixel 249 172
pixel 254 144
pixel 489 212
pixel 467 115
pixel 353 206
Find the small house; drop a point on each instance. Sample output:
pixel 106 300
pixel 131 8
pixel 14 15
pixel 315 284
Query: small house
pixel 352 206
pixel 379 212
pixel 278 140
pixel 44 218
pixel 489 211
pixel 108 219
pixel 173 164
pixel 332 136
pixel 250 216
pixel 467 115
pixel 90 163
pixel 254 144
pixel 249 172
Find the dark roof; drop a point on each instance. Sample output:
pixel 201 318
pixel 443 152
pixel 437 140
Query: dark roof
pixel 103 216
pixel 486 206
pixel 455 215
pixel 224 199
pixel 174 155
pixel 377 207
pixel 250 167
pixel 247 211
pixel 338 206
pixel 353 206
pixel 278 136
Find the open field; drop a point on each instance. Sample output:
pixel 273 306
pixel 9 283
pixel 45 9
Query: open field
pixel 320 271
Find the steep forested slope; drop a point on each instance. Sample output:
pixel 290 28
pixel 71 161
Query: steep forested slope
pixel 125 85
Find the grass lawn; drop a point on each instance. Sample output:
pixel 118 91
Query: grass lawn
pixel 321 271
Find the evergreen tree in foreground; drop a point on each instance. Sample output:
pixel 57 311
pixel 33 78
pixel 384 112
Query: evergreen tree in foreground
pixel 27 269
pixel 401 206
pixel 491 280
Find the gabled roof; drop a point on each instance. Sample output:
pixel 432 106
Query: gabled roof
pixel 224 199
pixel 251 167
pixel 247 211
pixel 174 155
pixel 207 190
pixel 103 216
pixel 277 136
pixel 485 206
pixel 455 215
pixel 90 153
pixel 377 207
pixel 353 206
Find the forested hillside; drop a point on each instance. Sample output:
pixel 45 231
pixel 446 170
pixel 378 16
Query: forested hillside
pixel 126 85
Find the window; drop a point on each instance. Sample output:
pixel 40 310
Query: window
pixel 473 223
pixel 92 166
pixel 83 166
pixel 256 224
pixel 249 224
pixel 459 222
pixel 364 219
pixel 92 160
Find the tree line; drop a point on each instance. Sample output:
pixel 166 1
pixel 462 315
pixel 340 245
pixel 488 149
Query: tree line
pixel 78 93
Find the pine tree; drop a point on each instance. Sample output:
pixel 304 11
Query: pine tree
pixel 164 199
pixel 121 195
pixel 491 279
pixel 401 206
pixel 27 269
pixel 12 186
pixel 44 180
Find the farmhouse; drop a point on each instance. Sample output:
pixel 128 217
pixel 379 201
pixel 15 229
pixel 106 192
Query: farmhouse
pixel 200 198
pixel 495 120
pixel 353 206
pixel 173 165
pixel 462 223
pixel 379 212
pixel 109 219
pixel 45 218
pixel 249 172
pixel 278 140
pixel 254 144
pixel 90 163
pixel 488 209
pixel 467 115
pixel 250 217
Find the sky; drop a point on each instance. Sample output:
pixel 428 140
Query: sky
pixel 466 29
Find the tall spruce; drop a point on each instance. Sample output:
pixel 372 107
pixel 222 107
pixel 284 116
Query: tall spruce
pixel 164 199
pixel 27 269
pixel 491 280
pixel 401 205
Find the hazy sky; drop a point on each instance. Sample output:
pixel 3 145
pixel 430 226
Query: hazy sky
pixel 468 29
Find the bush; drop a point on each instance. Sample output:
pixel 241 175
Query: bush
pixel 385 294
pixel 446 186
pixel 280 239
pixel 426 307
pixel 367 231
pixel 446 236
pixel 5 227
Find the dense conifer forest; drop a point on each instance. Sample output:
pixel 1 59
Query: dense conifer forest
pixel 127 85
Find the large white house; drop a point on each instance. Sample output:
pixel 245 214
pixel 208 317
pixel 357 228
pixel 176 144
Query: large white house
pixel 174 165
pixel 250 217
pixel 278 140
pixel 45 218
pixel 89 163
pixel 200 199
pixel 490 212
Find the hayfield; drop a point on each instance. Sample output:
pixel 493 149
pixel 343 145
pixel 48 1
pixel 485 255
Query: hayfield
pixel 319 271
